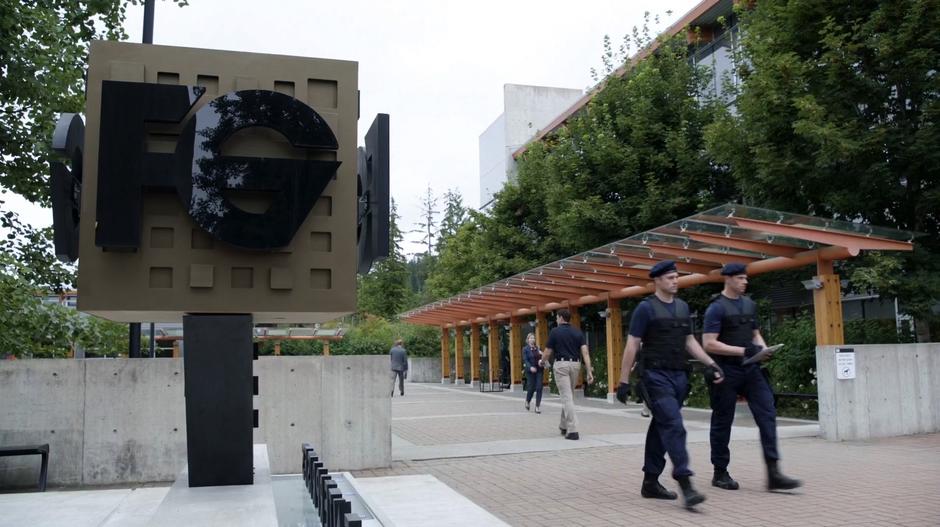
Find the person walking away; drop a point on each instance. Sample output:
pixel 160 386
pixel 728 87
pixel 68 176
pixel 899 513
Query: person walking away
pixel 532 360
pixel 566 344
pixel 399 366
pixel 731 335
pixel 662 326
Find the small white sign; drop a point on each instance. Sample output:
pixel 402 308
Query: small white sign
pixel 845 363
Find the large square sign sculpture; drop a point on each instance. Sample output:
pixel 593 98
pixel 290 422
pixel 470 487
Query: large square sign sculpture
pixel 213 182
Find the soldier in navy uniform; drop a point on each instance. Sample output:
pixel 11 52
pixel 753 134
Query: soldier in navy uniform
pixel 661 323
pixel 731 334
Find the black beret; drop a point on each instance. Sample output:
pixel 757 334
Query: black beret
pixel 663 267
pixel 734 268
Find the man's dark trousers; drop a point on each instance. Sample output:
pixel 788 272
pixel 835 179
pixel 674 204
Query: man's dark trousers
pixel 401 381
pixel 666 434
pixel 750 382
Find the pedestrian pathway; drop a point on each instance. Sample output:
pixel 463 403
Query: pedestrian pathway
pixel 512 463
pixel 443 421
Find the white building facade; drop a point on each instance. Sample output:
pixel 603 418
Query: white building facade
pixel 526 111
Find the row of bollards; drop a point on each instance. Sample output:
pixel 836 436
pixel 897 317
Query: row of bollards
pixel 334 511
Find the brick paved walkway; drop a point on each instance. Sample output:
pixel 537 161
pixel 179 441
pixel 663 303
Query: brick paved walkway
pixel 886 482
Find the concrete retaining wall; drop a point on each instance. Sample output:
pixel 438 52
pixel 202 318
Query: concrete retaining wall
pixel 896 391
pixel 118 421
pixel 340 404
pixel 424 369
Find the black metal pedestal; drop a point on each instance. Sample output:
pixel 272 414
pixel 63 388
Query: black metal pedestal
pixel 218 386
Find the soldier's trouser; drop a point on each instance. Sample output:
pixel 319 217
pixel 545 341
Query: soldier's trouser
pixel 750 382
pixel 666 434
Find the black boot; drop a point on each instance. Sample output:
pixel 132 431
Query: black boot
pixel 777 481
pixel 723 480
pixel 690 496
pixel 653 489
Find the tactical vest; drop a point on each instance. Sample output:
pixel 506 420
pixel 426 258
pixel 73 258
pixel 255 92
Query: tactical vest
pixel 664 340
pixel 737 326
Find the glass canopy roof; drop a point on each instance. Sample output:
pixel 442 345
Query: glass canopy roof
pixel 765 240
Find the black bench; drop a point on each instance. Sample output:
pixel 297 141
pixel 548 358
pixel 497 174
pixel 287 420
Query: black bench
pixel 28 450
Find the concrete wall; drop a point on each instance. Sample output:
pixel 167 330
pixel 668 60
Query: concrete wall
pixel 340 404
pixel 43 402
pixel 424 369
pixel 107 421
pixel 896 391
pixel 135 420
pixel 117 421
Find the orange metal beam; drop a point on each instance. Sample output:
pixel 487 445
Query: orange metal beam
pixel 492 303
pixel 553 288
pixel 474 353
pixel 840 239
pixel 682 266
pixel 449 308
pixel 445 355
pixel 706 256
pixel 528 294
pixel 771 249
pixel 632 272
pixel 607 276
pixel 584 285
pixel 458 354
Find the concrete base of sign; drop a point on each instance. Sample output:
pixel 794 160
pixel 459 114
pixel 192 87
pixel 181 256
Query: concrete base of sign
pixel 231 506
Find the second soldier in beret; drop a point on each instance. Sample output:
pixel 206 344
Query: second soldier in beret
pixel 732 334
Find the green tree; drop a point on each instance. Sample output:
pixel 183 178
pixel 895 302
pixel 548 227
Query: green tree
pixel 427 226
pixel 460 264
pixel 837 116
pixel 32 249
pixel 43 55
pixel 31 328
pixel 633 159
pixel 455 214
pixel 384 290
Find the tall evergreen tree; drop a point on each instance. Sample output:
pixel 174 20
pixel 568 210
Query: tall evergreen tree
pixel 427 226
pixel 384 290
pixel 455 214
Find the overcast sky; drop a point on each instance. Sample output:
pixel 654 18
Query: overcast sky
pixel 436 67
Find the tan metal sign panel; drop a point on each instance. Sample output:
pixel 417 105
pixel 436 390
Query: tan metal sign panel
pixel 183 259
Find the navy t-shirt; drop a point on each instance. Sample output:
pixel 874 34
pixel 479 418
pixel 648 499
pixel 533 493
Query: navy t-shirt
pixel 716 312
pixel 644 313
pixel 565 342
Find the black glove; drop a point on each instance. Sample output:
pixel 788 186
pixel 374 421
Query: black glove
pixel 713 373
pixel 623 392
pixel 752 349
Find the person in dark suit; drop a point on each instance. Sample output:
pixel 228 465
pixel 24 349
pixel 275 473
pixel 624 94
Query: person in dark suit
pixel 399 366
pixel 532 359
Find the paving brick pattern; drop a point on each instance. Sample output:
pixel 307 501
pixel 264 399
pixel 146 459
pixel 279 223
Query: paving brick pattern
pixel 886 482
